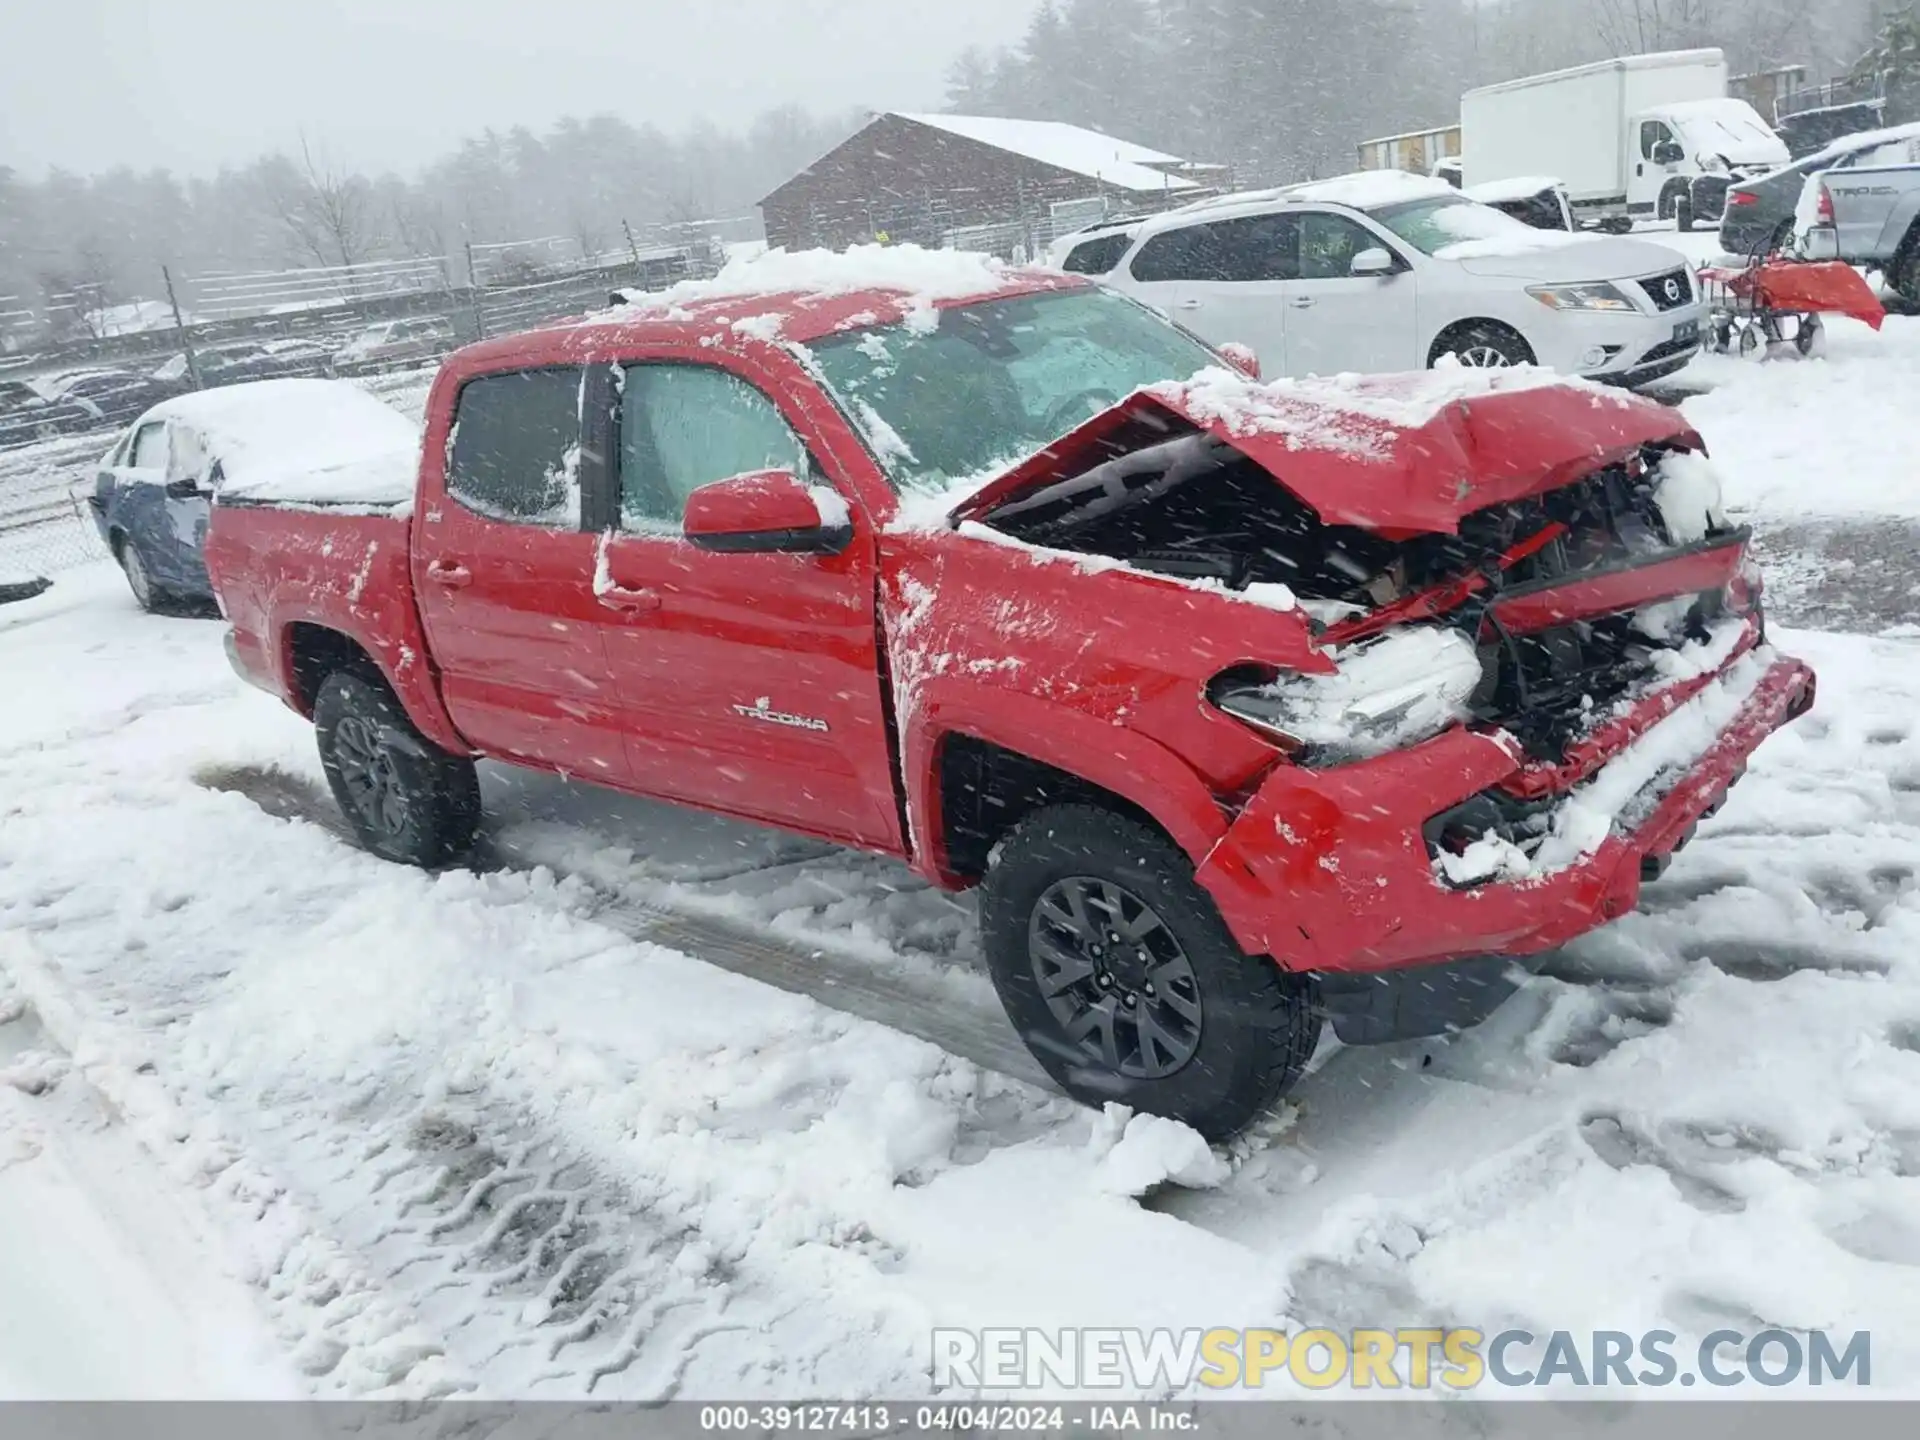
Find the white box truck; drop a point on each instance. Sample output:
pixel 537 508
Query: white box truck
pixel 1642 137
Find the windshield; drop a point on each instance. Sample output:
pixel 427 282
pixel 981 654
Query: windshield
pixel 1432 224
pixel 993 382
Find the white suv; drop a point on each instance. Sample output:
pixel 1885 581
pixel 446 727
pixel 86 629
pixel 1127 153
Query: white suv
pixel 1384 270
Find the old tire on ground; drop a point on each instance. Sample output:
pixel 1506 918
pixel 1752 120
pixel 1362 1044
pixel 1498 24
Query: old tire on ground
pixel 1122 979
pixel 1481 344
pixel 406 798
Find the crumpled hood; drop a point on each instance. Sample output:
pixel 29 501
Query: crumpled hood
pixel 1391 453
pixel 1571 260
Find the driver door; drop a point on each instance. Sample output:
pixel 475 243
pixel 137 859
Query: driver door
pixel 745 682
pixel 1338 321
pixel 1650 175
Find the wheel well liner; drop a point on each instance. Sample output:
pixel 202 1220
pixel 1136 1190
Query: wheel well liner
pixel 987 789
pixel 314 652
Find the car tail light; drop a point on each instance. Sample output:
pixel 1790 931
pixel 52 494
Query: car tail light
pixel 1742 197
pixel 1823 213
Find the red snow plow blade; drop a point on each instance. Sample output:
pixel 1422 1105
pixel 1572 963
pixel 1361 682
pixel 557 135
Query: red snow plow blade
pixel 1794 287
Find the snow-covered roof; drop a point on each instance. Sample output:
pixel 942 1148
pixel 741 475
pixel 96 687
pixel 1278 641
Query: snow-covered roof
pixel 1115 162
pixel 311 441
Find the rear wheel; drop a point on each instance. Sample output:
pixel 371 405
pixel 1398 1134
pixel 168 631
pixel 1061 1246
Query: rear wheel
pixel 1905 274
pixel 1123 980
pixel 406 798
pixel 149 596
pixel 1482 345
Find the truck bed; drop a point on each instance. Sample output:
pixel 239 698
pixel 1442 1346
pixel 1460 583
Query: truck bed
pixel 345 568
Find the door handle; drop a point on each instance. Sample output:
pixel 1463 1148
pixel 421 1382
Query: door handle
pixel 619 597
pixel 1185 305
pixel 1301 302
pixel 450 573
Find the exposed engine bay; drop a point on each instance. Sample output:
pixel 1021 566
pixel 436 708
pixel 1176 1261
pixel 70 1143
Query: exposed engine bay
pixel 1194 507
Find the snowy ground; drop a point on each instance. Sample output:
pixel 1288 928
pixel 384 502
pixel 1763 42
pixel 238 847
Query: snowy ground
pixel 652 1104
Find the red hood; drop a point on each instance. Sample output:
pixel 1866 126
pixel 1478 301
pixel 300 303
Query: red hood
pixel 1386 452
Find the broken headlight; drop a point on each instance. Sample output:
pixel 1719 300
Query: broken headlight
pixel 1385 693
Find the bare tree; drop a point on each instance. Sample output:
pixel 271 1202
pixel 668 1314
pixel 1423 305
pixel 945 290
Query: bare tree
pixel 329 215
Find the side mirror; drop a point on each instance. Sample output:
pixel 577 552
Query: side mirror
pixel 766 511
pixel 1668 152
pixel 1376 260
pixel 1242 358
pixel 183 489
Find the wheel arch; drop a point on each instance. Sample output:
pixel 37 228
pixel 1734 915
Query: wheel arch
pixel 1457 328
pixel 309 651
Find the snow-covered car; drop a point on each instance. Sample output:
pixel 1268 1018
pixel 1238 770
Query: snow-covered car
pixel 1382 271
pixel 1537 200
pixel 118 395
pixel 396 342
pixel 154 491
pixel 26 415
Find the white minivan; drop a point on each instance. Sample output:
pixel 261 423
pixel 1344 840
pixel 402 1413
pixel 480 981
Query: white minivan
pixel 1383 270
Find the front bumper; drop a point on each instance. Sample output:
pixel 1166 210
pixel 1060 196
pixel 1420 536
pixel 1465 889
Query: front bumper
pixel 1636 348
pixel 1330 871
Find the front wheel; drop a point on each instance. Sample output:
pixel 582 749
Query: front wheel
pixel 406 798
pixel 1122 979
pixel 1482 345
pixel 146 594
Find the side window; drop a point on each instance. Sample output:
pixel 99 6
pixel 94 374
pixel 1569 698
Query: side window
pixel 684 426
pixel 1653 133
pixel 149 447
pixel 1097 257
pixel 515 449
pixel 1328 244
pixel 1255 247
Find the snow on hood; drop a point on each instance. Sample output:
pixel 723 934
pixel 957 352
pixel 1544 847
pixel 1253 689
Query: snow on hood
pixel 1413 452
pixel 1561 257
pixel 301 441
pixel 1728 128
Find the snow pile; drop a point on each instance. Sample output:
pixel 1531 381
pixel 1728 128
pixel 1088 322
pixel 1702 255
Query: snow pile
pixel 1388 692
pixel 1486 233
pixel 299 441
pixel 1518 187
pixel 1150 1151
pixel 1688 495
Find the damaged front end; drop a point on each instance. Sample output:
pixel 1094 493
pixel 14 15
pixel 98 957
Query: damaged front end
pixel 1540 624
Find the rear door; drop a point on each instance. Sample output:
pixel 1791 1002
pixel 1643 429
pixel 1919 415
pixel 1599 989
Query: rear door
pixel 746 683
pixel 133 492
pixel 504 575
pixel 1338 321
pixel 1223 280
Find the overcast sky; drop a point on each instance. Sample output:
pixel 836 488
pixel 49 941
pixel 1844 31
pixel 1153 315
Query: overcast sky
pixel 390 84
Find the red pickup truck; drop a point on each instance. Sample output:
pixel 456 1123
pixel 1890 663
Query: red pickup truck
pixel 1246 706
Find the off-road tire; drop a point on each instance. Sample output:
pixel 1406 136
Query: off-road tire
pixel 425 806
pixel 1481 337
pixel 1904 275
pixel 1257 1025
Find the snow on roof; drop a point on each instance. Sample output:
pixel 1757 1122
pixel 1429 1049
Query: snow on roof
pixel 1065 147
pixel 312 441
pixel 1364 189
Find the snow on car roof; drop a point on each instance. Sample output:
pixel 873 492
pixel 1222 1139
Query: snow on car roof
pixel 1365 189
pixel 1065 147
pixel 802 295
pixel 302 441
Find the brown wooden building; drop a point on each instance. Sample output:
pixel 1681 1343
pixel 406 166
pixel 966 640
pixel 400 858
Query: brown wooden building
pixel 975 182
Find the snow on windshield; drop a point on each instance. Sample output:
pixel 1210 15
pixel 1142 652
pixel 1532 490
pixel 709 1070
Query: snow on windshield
pixel 1452 227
